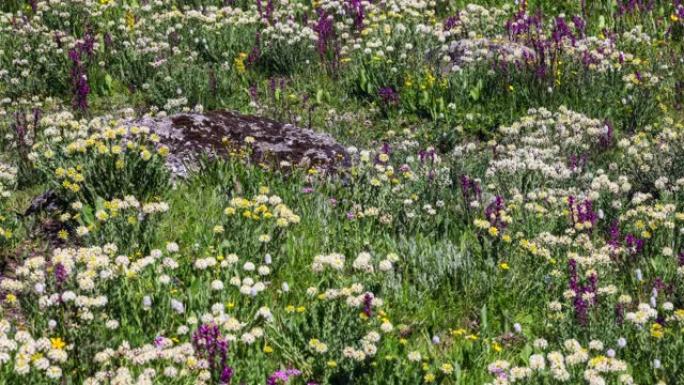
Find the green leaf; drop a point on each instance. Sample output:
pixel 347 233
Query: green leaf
pixel 87 215
pixel 424 98
pixel 108 82
pixel 525 352
pixel 483 318
pixel 476 91
pixel 363 81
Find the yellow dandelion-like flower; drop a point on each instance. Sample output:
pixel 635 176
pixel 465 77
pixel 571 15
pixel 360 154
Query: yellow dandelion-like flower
pixel 101 215
pixel 265 238
pixel 57 343
pixel 239 63
pixel 657 331
pixel 493 231
pixel 130 20
pixel 447 368
pixel 145 155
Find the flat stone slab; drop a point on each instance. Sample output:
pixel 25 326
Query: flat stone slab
pixel 193 134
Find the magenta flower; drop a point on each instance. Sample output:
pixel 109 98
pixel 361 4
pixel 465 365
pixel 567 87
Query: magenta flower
pixel 282 376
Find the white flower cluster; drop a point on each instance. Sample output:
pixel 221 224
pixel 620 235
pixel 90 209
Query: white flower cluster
pixel 8 176
pixel 543 141
pixel 601 369
pixel 334 261
pixel 28 354
pixel 128 365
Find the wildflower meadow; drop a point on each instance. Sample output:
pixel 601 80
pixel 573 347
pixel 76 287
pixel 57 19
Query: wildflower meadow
pixel 341 192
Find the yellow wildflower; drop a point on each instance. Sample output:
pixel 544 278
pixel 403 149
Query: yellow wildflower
pixel 57 343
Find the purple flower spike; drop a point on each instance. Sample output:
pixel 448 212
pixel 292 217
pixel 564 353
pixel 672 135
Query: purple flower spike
pixel 210 345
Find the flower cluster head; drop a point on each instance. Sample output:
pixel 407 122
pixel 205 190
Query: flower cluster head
pixel 8 176
pixel 574 362
pixel 282 376
pixel 263 207
pixel 27 354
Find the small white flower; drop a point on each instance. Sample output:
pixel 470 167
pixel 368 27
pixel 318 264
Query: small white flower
pixel 216 285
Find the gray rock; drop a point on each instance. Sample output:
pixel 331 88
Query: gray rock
pixel 190 135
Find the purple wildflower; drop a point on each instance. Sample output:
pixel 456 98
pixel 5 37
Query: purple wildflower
pixel 255 53
pixel 254 93
pixel 325 29
pixel 606 138
pixel 282 376
pixel 61 274
pixel 388 96
pixel 211 346
pixel 79 81
pixel 580 304
pixel 355 8
pixel 159 342
pixel 614 235
pixel 634 244
pixel 580 25
pixel 226 375
pixel 451 21
pixel 494 211
pixel 470 188
pixel 582 213
pixel 426 155
pixel 367 304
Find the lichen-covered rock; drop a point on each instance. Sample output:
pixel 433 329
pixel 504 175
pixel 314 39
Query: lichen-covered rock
pixel 192 134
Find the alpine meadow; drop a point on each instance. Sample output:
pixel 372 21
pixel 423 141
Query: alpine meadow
pixel 341 192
